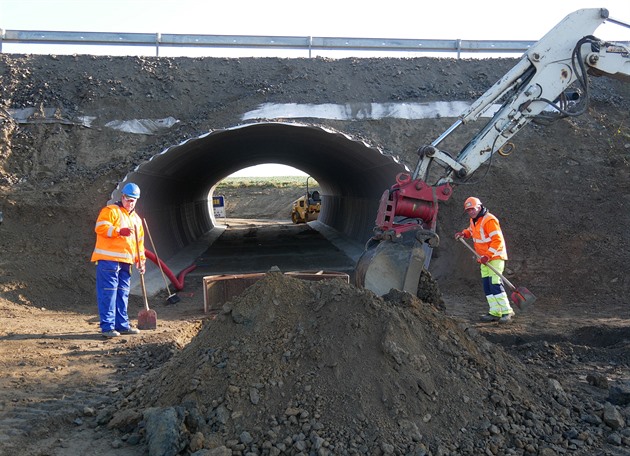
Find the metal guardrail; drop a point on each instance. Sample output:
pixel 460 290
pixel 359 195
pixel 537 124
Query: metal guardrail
pixel 307 43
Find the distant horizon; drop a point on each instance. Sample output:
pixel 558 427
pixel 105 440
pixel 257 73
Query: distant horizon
pixel 269 170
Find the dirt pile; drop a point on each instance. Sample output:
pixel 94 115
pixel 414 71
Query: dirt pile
pixel 296 367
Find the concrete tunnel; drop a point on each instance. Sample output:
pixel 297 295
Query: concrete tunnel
pixel 177 183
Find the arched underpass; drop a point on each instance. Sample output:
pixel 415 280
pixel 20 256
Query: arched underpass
pixel 177 183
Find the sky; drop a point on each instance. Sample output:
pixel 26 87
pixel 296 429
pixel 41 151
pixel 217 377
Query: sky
pixel 481 19
pixel 454 19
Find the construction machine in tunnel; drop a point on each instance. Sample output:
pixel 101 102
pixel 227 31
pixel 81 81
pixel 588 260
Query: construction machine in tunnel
pixel 548 83
pixel 307 207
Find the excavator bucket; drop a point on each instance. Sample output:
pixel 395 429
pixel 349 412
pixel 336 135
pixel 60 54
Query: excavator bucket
pixel 386 264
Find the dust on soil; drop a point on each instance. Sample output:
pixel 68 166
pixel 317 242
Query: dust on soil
pixel 309 368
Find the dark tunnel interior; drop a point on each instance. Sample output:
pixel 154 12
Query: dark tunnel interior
pixel 177 183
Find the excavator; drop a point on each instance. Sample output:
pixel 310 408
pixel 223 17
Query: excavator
pixel 549 82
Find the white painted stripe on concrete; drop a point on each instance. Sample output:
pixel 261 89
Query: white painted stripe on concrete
pixel 363 111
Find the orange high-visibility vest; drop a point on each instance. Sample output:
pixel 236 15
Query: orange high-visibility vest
pixel 110 245
pixel 488 237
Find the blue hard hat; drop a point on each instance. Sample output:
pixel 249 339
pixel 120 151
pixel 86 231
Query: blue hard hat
pixel 131 190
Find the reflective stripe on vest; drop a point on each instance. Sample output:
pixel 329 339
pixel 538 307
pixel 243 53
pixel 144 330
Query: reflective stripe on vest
pixel 122 256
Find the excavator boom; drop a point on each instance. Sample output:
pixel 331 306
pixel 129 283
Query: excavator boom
pixel 548 83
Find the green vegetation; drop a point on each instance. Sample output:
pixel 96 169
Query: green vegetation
pixel 267 182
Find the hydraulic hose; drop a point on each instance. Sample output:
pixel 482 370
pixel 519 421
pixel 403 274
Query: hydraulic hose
pixel 178 282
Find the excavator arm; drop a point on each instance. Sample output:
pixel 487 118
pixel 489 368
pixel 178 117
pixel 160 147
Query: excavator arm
pixel 549 82
pixel 540 81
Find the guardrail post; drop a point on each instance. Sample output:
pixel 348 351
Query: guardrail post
pixel 158 37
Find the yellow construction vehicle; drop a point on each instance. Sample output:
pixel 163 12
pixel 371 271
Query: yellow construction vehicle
pixel 306 208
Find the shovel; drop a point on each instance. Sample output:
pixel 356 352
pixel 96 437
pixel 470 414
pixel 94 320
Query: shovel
pixel 172 297
pixel 521 296
pixel 147 318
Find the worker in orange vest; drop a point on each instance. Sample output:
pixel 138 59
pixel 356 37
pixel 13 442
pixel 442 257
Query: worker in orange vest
pixel 485 232
pixel 119 245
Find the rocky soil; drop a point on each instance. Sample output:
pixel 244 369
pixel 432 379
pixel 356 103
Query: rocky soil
pixel 292 367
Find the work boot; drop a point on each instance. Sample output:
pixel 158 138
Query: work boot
pixel 110 334
pixel 129 331
pixel 506 318
pixel 487 318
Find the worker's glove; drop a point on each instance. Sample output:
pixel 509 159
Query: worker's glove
pixel 462 234
pixel 124 232
pixel 483 259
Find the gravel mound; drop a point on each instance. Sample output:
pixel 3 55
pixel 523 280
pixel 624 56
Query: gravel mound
pixel 297 367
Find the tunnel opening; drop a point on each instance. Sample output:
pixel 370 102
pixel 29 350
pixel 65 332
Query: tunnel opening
pixel 177 183
pixel 270 196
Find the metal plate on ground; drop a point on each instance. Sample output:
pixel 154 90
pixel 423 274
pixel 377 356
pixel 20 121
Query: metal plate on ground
pixel 218 289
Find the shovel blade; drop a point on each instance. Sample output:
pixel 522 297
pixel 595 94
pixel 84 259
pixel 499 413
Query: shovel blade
pixel 522 298
pixel 147 319
pixel 173 299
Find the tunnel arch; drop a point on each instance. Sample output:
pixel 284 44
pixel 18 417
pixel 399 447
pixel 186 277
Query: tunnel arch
pixel 177 183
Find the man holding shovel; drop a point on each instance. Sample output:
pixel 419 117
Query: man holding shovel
pixel 485 232
pixel 119 245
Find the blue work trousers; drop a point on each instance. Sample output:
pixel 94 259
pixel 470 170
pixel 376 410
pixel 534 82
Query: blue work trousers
pixel 112 294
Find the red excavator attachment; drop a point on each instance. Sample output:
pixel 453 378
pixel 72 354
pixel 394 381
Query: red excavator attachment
pixel 410 203
pixel 404 236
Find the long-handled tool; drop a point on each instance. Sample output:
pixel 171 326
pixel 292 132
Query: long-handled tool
pixel 147 318
pixel 172 297
pixel 521 296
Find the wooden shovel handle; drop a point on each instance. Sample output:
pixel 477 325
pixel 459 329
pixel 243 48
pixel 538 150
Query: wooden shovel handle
pixel 489 265
pixel 144 288
pixel 144 292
